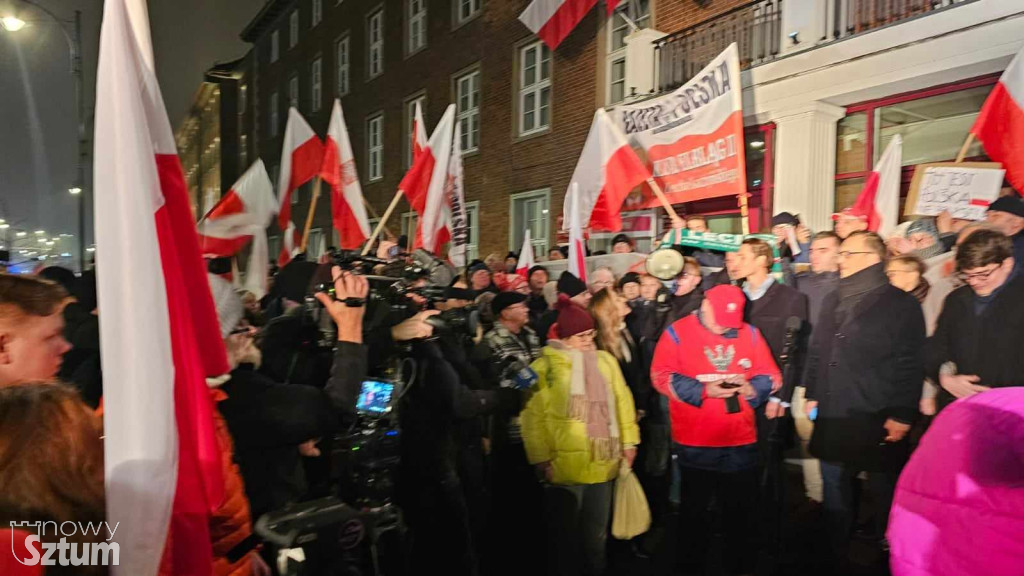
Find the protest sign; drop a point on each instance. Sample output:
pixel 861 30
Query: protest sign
pixel 963 189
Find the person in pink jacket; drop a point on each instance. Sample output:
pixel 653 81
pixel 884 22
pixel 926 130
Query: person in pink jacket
pixel 959 504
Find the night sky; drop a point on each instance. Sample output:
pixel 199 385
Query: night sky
pixel 38 130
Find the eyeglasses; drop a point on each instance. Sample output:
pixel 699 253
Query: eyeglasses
pixel 848 253
pixel 978 276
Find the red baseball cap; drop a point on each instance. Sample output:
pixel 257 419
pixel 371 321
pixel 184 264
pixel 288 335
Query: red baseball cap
pixel 727 302
pixel 848 213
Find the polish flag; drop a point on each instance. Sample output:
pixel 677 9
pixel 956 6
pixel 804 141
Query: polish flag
pixel 525 257
pixel 419 132
pixel 159 326
pixel 611 5
pixel 577 248
pixel 241 215
pixel 879 201
pixel 339 170
pixel 607 171
pixel 1000 124
pixel 424 183
pixel 553 20
pixel 302 154
pixel 455 216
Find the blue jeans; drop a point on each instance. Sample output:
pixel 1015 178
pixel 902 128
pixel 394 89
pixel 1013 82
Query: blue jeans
pixel 838 482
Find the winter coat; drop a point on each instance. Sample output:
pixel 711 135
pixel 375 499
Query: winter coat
pixel 549 435
pixel 987 346
pixel 863 371
pixel 816 286
pixel 959 507
pixel 770 314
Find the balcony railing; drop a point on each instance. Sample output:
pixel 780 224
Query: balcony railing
pixel 756 27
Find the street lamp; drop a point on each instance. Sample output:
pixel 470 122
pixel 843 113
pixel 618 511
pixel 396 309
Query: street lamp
pixel 12 23
pixel 75 190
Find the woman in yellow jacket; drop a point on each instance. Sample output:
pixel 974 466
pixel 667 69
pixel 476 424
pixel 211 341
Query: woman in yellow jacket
pixel 578 426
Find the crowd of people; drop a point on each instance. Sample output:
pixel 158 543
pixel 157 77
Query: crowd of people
pixel 512 436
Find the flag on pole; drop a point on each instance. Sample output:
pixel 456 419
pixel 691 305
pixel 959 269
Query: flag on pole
pixel 553 20
pixel 339 170
pixel 419 133
pixel 608 169
pixel 1000 124
pixel 424 184
pixel 159 325
pixel 457 220
pixel 525 257
pixel 611 5
pixel 302 154
pixel 241 215
pixel 879 201
pixel 577 248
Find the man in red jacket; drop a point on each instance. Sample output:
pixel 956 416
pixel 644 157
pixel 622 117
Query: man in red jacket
pixel 716 370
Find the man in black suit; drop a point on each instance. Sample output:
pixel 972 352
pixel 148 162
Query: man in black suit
pixel 865 367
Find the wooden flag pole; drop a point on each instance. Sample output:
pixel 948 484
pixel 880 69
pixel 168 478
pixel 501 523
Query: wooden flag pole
pixel 373 213
pixel 664 202
pixel 963 149
pixel 380 224
pixel 309 215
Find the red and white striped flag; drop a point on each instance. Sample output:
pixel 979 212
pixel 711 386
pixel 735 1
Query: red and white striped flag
pixel 456 218
pixel 424 184
pixel 608 169
pixel 525 256
pixel 1000 124
pixel 159 325
pixel 339 170
pixel 577 246
pixel 419 133
pixel 302 154
pixel 879 201
pixel 241 215
pixel 553 20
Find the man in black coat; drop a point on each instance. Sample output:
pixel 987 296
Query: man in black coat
pixel 864 378
pixel 976 345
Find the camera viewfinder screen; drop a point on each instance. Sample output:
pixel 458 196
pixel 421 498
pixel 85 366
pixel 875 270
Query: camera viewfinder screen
pixel 374 396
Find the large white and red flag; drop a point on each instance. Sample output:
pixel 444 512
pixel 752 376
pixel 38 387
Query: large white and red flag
pixel 553 20
pixel 577 246
pixel 242 215
pixel 339 170
pixel 159 325
pixel 302 154
pixel 419 132
pixel 693 138
pixel 456 218
pixel 1000 124
pixel 879 201
pixel 525 256
pixel 424 183
pixel 608 169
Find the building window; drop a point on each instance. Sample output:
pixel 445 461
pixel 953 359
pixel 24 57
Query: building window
pixel 933 123
pixel 529 210
pixel 293 29
pixel 416 38
pixel 275 45
pixel 375 145
pixel 315 244
pixel 275 171
pixel 274 246
pixel 272 120
pixel 375 40
pixel 534 88
pixel 293 91
pixel 243 98
pixel 467 99
pixel 410 221
pixel 465 10
pixel 639 11
pixel 315 84
pixel 318 12
pixel 342 55
pixel 410 117
pixel 473 220
pixel 243 152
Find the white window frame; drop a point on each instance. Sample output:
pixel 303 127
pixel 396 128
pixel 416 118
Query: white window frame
pixel 375 149
pixel 316 83
pixel 407 220
pixel 539 238
pixel 416 22
pixel 458 18
pixel 536 89
pixel 410 115
pixel 274 115
pixel 469 116
pixel 318 12
pixel 275 46
pixel 274 246
pixel 313 244
pixel 343 64
pixel 473 222
pixel 293 29
pixel 293 91
pixel 375 47
pixel 619 54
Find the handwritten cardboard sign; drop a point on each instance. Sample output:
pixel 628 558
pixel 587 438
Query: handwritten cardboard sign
pixel 965 189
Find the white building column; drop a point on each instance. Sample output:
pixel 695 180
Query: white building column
pixel 805 162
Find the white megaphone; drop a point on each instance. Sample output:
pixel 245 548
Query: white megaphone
pixel 665 264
